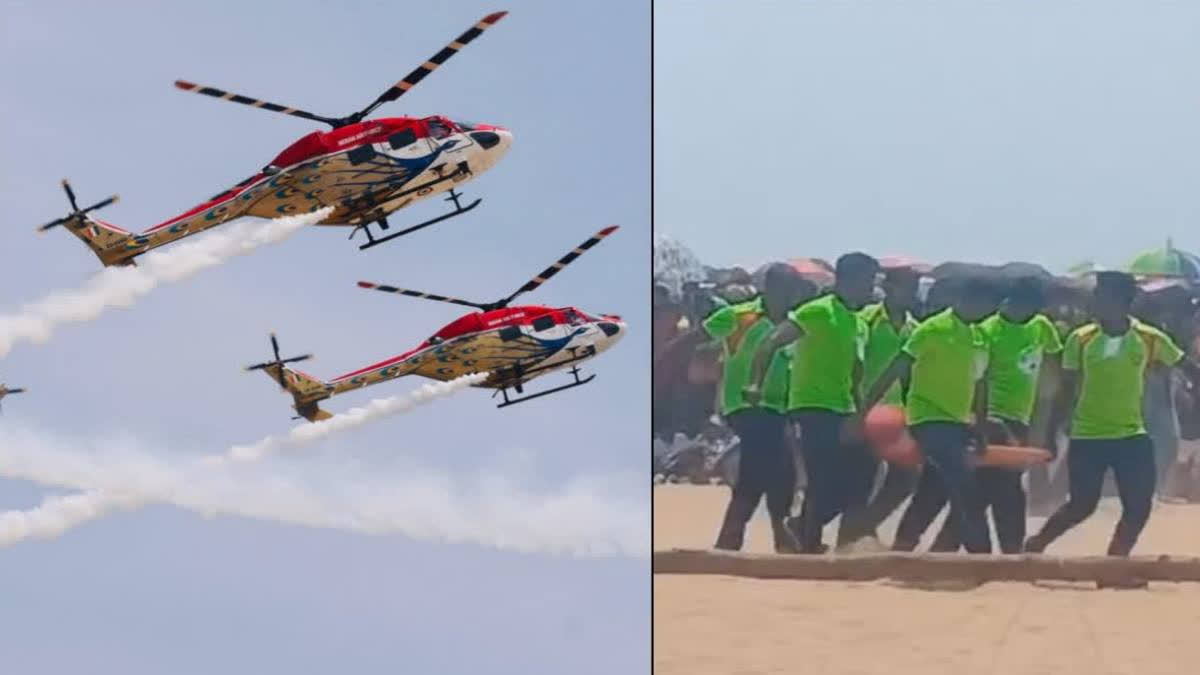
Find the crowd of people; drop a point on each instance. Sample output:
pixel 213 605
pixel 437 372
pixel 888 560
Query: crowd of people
pixel 970 363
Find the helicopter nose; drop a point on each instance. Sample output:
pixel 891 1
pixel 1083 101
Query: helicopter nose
pixel 609 328
pixel 495 140
pixel 486 139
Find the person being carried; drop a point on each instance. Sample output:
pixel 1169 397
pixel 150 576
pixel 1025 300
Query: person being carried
pixel 889 324
pixel 765 465
pixel 829 339
pixel 944 363
pixel 1020 338
pixel 1105 364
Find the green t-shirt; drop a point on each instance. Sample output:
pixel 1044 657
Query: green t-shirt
pixel 949 356
pixel 883 345
pixel 1112 371
pixel 741 329
pixel 1015 361
pixel 824 360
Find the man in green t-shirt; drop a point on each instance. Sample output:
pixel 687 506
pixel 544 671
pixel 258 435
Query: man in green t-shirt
pixel 1105 364
pixel 889 324
pixel 1019 339
pixel 765 464
pixel 829 339
pixel 944 363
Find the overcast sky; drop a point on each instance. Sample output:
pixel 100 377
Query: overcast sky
pixel 1043 131
pixel 88 95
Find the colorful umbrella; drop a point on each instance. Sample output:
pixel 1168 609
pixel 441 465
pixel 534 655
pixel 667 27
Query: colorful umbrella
pixel 814 269
pixel 1166 262
pixel 892 262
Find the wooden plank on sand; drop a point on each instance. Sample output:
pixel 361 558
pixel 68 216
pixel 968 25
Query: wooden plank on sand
pixel 929 567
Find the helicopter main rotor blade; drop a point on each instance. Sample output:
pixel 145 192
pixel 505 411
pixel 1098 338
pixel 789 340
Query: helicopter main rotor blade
pixel 70 194
pixel 559 264
pixel 419 294
pixel 18 390
pixel 419 73
pixel 253 102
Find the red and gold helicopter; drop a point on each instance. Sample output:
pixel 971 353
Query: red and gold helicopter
pixel 365 169
pixel 511 344
pixel 5 391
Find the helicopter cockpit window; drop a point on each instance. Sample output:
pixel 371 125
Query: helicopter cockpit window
pixel 401 139
pixel 573 317
pixel 362 153
pixel 437 130
pixel 466 126
pixel 543 323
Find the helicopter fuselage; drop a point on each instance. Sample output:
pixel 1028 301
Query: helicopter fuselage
pixel 513 345
pixel 364 171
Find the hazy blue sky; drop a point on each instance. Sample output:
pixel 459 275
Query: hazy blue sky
pixel 88 95
pixel 1042 131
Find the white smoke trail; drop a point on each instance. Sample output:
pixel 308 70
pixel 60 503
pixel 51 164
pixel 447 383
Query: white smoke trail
pixel 56 515
pixel 583 518
pixel 351 419
pixel 121 286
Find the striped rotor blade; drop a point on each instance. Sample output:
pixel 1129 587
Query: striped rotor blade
pixel 417 294
pixel 564 261
pixel 56 222
pixel 419 73
pixel 70 194
pixel 101 204
pixel 246 100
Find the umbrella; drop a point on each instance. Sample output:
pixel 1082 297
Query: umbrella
pixel 1005 272
pixel 892 262
pixel 813 269
pixel 1166 262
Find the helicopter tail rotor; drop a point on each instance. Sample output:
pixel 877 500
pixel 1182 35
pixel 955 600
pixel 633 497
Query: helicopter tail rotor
pixel 76 212
pixel 275 368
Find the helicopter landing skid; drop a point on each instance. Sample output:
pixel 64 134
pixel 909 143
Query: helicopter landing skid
pixel 579 382
pixel 454 196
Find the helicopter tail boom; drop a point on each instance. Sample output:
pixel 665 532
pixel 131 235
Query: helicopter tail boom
pixel 111 244
pixel 306 391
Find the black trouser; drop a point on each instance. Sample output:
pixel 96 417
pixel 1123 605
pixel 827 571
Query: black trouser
pixel 840 476
pixel 946 476
pixel 1132 462
pixel 898 484
pixel 999 489
pixel 764 468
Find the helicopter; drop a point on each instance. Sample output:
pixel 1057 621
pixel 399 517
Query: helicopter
pixel 5 391
pixel 365 169
pixel 512 344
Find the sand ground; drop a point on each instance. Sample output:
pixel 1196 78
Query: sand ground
pixel 726 625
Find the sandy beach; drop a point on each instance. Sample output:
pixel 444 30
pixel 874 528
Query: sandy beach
pixel 725 625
